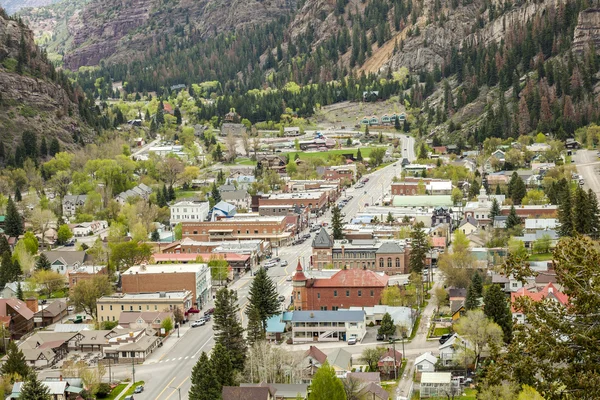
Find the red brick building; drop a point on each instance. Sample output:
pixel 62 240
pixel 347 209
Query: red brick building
pixel 346 288
pixel 83 273
pixel 407 188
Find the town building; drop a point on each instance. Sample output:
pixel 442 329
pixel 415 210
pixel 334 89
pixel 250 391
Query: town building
pixel 549 292
pixel 345 288
pixel 313 359
pixel 256 249
pixel 238 263
pixel 17 317
pixel 315 202
pixel 63 261
pixel 239 198
pixel 50 313
pixel 422 201
pixel 88 228
pixel 194 278
pixel 128 346
pixel 425 362
pixel 70 204
pixel 84 272
pixel 468 225
pixel 344 173
pixel 240 227
pixel 57 390
pixel 273 162
pixel 327 326
pixel 341 362
pixel 188 211
pixel 299 185
pixel 247 393
pixel 437 384
pixel 223 209
pixel 110 307
pixel 140 191
pixel 403 316
pixel 144 320
pixel 389 256
pixel 390 362
pixel 281 391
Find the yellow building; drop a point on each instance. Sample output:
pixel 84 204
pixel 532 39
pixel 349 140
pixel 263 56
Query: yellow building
pixel 111 307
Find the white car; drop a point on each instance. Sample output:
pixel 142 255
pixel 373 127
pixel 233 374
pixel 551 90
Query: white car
pixel 289 278
pixel 200 322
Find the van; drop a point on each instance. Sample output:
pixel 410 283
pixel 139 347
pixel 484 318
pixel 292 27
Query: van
pixel 352 340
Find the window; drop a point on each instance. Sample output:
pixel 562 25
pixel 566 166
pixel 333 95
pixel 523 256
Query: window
pixel 335 293
pixel 397 262
pixel 318 295
pixel 130 308
pixel 101 318
pixel 360 293
pixel 147 307
pixel 110 308
pixel 122 308
pixel 113 317
pixel 347 293
pixel 140 308
pixel 195 232
pixel 155 307
pixel 372 293
pixel 299 297
pixel 102 308
pixel 381 263
pixel 389 262
pixel 323 308
pixel 334 308
pixel 256 231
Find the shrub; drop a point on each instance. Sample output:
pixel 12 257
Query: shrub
pixel 371 324
pixel 103 391
pixel 28 112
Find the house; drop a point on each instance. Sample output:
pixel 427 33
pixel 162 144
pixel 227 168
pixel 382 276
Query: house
pixel 188 211
pixel 238 198
pixel 571 144
pixel 529 239
pixel 327 326
pixel 291 131
pixel 84 272
pixel 282 391
pixel 222 209
pixel 275 328
pixel 232 128
pixel 232 116
pixel 468 225
pixel 58 390
pixel 500 221
pixel 129 346
pixel 143 320
pixel 15 315
pixel 549 292
pixel 369 385
pixel 88 228
pixel 313 359
pixel 341 361
pixel 451 349
pixel 390 361
pixel 70 204
pixel 402 316
pixel 440 215
pixel 273 162
pixel 425 362
pixel 44 349
pixel 51 313
pixel 62 261
pixel 247 393
pixel 438 384
pixel 533 224
pixel 140 191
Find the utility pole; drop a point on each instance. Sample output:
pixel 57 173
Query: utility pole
pixel 133 369
pixel 393 342
pixel 109 371
pixel 178 390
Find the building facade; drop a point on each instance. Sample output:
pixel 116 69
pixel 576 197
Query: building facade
pixel 193 277
pixel 327 326
pixel 110 307
pixel 189 211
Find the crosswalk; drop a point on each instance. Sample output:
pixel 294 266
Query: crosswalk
pixel 172 359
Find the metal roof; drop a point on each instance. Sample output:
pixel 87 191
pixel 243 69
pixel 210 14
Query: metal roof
pixel 328 316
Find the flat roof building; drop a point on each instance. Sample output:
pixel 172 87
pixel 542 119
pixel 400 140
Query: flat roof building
pixel 110 307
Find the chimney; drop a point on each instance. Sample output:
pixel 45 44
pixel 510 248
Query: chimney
pixel 32 304
pixel 60 377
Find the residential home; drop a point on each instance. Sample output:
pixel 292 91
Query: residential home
pixel 529 239
pixel 327 326
pixel 390 361
pixel 275 329
pixel 44 349
pixel 16 316
pixel 234 129
pixel 51 313
pixel 341 361
pixel 291 131
pixel 451 350
pixel 222 209
pixel 313 359
pixel 468 225
pixel 425 362
pixel 70 204
pixel 498 178
pixel 63 261
pixel 238 198
pixel 282 391
pixel 549 292
pixel 538 147
pixel 369 385
pixel 273 162
pixel 144 320
pixel 467 163
pixel 440 150
pixel 247 393
pixel 188 211
pixel 571 144
pixel 437 384
pixel 88 228
pixel 534 224
pixel 500 221
pixel 58 390
pixel 402 316
pixel 441 215
pixel 130 346
pixel 141 191
pixel 84 272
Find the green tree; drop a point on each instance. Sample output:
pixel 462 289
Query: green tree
pixel 219 269
pixel 542 245
pixel 4 246
pixel 31 243
pixel 387 327
pixel 54 147
pixel 221 361
pixel 326 385
pixel 127 254
pixel 516 188
pixel 497 309
pixel 155 236
pixel 205 384
pixel 472 300
pixel 581 211
pixel 495 210
pixel 15 363
pixel 20 292
pixel 423 153
pixel 419 248
pixel 228 329
pixel 63 234
pixel 371 356
pixel 480 332
pixel 18 196
pixel 86 293
pixel 390 218
pixel 33 389
pixel 359 156
pixel 255 330
pixel 513 219
pixel 594 215
pixel 263 297
pixel 565 215
pixel 336 223
pixel 477 284
pixel 215 194
pixel 13 223
pixel 167 324
pixel 177 114
pixel 43 147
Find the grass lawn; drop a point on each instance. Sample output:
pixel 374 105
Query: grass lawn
pixel 364 151
pixel 415 327
pixel 132 388
pixel 184 194
pixel 390 387
pixel 441 331
pixel 116 391
pixel 244 161
pixel 540 257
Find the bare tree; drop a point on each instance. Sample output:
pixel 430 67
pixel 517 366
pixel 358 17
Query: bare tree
pixel 41 219
pixel 352 388
pixel 170 168
pixel 246 144
pixel 256 145
pixel 267 363
pixel 231 143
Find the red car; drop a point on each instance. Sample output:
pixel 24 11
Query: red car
pixel 209 311
pixel 193 311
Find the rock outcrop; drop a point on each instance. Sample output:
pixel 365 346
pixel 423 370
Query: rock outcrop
pixel 587 30
pixel 12 6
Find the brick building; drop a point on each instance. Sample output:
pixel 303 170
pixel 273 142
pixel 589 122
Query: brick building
pixel 84 272
pixel 238 263
pixel 389 256
pixel 239 227
pixel 412 186
pixel 315 202
pixel 341 173
pixel 300 185
pixel 346 288
pixel 256 249
pixel 164 277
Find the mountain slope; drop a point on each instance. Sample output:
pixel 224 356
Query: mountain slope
pixel 12 6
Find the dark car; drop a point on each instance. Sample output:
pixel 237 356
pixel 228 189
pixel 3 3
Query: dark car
pixel 138 389
pixel 445 338
pixel 209 311
pixel 281 297
pixel 379 336
pixel 306 236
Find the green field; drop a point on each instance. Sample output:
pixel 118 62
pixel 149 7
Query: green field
pixel 116 391
pixel 364 151
pixel 540 257
pixel 132 388
pixel 441 331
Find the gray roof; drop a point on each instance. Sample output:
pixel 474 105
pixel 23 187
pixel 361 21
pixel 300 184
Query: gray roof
pixel 390 248
pixel 469 220
pixel 328 316
pixel 340 358
pixel 322 240
pixel 70 257
pixel 75 198
pixel 234 195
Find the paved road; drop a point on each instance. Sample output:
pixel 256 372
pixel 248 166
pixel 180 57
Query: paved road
pixel 588 167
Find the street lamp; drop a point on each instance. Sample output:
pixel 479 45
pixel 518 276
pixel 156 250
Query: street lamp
pixel 178 390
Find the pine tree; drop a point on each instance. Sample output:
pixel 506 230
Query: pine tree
pixel 4 246
pixel 5 269
pixel 513 219
pixel 43 147
pixel 171 193
pixel 471 301
pixel 15 271
pixel 419 248
pixel 15 362
pixel 516 188
pixel 477 284
pixel 155 236
pixel 326 385
pixel 20 292
pixel 359 156
pixel 221 361
pixel 205 385
pixel 160 114
pixel 497 308
pixel 263 297
pixel 594 215
pixel 336 223
pixel 581 212
pixel 495 210
pixel 18 197
pixel 177 114
pixel 254 331
pixel 397 124
pixel 13 224
pixel 165 193
pixel 387 327
pixel 215 194
pixel 33 389
pixel 565 215
pixel 228 329
pixel 54 147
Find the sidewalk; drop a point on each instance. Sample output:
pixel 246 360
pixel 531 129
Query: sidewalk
pixel 168 344
pixel 124 391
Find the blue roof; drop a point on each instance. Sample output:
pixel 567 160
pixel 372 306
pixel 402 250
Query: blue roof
pixel 364 219
pixel 287 316
pixel 328 316
pixel 275 325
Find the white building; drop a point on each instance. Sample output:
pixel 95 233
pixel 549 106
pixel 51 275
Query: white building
pixel 541 223
pixel 189 211
pixel 88 228
pixel 425 362
pixel 451 350
pixel 70 204
pixel 327 326
pixel 437 384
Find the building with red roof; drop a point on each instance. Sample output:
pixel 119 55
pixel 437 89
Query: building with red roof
pixel 343 289
pixel 548 292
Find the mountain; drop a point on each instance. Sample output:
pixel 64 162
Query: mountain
pixel 34 97
pixel 12 6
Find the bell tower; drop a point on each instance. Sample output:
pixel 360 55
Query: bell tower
pixel 299 288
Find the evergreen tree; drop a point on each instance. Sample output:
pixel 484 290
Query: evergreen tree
pixel 397 124
pixel 215 194
pixel 15 362
pixel 498 191
pixel 254 331
pixel 205 385
pixel 359 156
pixel 4 246
pixel 228 329
pixel 160 199
pixel 20 292
pixel 160 114
pixel 43 147
pixel 387 327
pixel 165 193
pixel 497 308
pixel 147 116
pixel 565 215
pixel 54 147
pixel 472 300
pixel 6 269
pixel 221 361
pixel 419 248
pixel 13 224
pixel 177 114
pixel 326 385
pixel 474 189
pixel 18 196
pixel 477 284
pixel 15 271
pixel 594 215
pixel 406 126
pixel 171 193
pixel 336 223
pixel 495 210
pixel 155 236
pixel 513 219
pixel 263 297
pixel 516 188
pixel 33 389
pixel 581 212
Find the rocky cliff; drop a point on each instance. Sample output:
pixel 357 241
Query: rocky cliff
pixel 12 6
pixel 587 30
pixel 120 30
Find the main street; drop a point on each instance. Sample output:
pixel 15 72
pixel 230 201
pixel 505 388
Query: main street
pixel 588 166
pixel 167 371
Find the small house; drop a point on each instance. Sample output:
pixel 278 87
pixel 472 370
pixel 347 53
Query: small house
pixel 425 362
pixel 436 384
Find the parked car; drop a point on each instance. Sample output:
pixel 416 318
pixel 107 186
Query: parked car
pixel 129 398
pixel 379 336
pixel 366 180
pixel 352 340
pixel 70 308
pixel 139 389
pixel 210 311
pixel 366 204
pixel 281 297
pixel 199 322
pixel 284 263
pixel 306 236
pixel 288 278
pixel 270 264
pixel 445 338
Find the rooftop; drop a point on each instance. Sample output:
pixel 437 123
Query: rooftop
pixel 295 195
pixel 165 268
pixel 147 296
pixel 328 316
pixel 354 278
pixel 436 377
